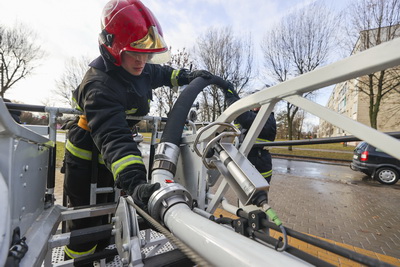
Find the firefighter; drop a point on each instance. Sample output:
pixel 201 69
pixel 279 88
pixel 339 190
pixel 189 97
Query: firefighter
pixel 118 83
pixel 258 156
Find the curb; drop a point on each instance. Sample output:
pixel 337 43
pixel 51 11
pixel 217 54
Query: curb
pixel 342 162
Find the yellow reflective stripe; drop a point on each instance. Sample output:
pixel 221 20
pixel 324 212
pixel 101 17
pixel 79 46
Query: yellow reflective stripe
pixel 50 143
pixel 75 254
pixel 120 164
pixel 174 78
pixel 75 104
pixel 131 111
pixel 260 140
pixel 78 152
pixel 266 174
pixel 81 153
pixel 100 159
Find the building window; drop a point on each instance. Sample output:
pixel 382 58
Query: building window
pixel 343 91
pixel 342 105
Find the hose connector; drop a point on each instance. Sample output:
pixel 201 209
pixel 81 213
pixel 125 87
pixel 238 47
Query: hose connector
pixel 271 214
pixel 166 157
pixel 166 197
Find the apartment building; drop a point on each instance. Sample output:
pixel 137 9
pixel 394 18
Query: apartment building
pixel 352 98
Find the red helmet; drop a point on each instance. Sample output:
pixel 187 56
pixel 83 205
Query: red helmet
pixel 128 25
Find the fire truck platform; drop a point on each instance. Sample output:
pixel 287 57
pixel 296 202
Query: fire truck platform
pixel 362 216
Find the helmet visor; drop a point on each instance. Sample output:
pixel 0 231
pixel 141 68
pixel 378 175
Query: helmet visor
pixel 152 43
pixel 159 58
pixel 151 58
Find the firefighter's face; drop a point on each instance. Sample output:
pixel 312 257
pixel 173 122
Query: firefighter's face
pixel 134 62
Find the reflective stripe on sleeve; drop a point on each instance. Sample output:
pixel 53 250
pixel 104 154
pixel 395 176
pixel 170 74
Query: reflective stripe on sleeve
pixel 75 254
pixel 131 111
pixel 81 153
pixel 75 104
pixel 120 164
pixel 174 78
pixel 260 140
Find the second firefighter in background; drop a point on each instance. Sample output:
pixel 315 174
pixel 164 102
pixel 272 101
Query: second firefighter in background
pixel 258 156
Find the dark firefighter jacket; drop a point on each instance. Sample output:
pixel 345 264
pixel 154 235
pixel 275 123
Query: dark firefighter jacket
pixel 106 95
pixel 267 133
pixel 259 157
pixel 245 120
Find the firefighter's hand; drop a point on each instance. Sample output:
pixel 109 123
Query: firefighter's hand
pixel 230 92
pixel 185 76
pixel 128 180
pixel 142 193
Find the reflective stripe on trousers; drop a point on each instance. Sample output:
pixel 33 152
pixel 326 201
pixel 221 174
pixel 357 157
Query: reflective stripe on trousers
pixel 266 174
pixel 81 153
pixel 75 254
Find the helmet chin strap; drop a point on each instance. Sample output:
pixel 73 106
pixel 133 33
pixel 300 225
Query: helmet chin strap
pixel 104 52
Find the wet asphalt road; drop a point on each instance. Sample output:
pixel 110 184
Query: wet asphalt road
pixel 324 172
pixel 314 169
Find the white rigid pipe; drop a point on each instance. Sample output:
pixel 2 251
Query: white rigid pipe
pixel 225 204
pixel 219 245
pixel 229 207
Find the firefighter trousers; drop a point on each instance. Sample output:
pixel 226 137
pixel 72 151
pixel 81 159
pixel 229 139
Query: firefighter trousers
pixel 262 161
pixel 77 185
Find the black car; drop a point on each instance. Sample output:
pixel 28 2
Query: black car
pixel 375 163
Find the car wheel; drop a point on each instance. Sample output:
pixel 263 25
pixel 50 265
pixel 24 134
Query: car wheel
pixel 387 175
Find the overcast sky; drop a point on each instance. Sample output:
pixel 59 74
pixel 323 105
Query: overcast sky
pixel 70 28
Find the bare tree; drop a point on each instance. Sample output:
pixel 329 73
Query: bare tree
pixel 227 56
pixel 281 124
pixel 299 43
pixel 19 55
pixel 298 123
pixel 75 69
pixel 373 22
pixel 164 97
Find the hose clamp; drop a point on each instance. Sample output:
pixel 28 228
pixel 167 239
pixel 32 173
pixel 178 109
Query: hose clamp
pixel 166 157
pixel 165 198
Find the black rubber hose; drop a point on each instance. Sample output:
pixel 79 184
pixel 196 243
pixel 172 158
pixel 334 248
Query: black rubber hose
pixel 224 220
pixel 177 117
pixel 291 250
pixel 25 107
pixel 325 140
